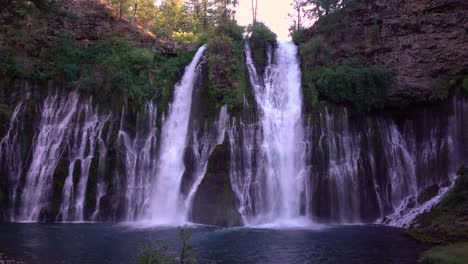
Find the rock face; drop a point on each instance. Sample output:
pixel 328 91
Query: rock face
pixel 215 201
pixel 423 41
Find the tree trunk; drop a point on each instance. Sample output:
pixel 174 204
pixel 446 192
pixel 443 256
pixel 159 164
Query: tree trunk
pixel 135 11
pixel 120 8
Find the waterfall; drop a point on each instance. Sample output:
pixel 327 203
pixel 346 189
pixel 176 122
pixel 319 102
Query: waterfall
pixel 84 135
pixel 57 113
pixel 334 165
pixel 280 178
pixel 139 161
pixel 166 206
pixel 441 139
pixel 203 144
pixel 10 158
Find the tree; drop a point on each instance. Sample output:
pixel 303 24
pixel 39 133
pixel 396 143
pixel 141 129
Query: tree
pixel 298 6
pixel 145 13
pixel 322 8
pixel 254 10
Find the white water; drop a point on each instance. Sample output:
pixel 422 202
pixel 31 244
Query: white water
pixel 10 157
pixel 57 113
pixel 203 145
pixel 282 150
pixel 166 205
pixel 84 135
pixel 139 161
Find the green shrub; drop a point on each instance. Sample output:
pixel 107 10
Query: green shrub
pixel 298 36
pixel 9 68
pixel 363 87
pixel 160 255
pixel 155 255
pixel 315 52
pixel 117 67
pixel 451 254
pixel 261 37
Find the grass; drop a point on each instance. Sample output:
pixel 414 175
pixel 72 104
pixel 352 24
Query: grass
pixel 451 254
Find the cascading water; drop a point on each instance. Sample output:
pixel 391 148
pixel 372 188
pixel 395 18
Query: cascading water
pixel 338 167
pixel 10 158
pixel 203 144
pixel 280 166
pixel 166 206
pixel 140 162
pixel 83 138
pixel 57 113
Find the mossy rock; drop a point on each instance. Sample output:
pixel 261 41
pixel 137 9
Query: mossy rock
pixel 428 193
pixel 448 221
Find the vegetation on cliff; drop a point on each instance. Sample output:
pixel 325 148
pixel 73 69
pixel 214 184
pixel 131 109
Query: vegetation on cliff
pixel 226 70
pixel 447 225
pixel 261 38
pixel 327 76
pixel 447 222
pixel 371 32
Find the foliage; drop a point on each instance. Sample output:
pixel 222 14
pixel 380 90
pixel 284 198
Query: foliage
pixel 116 67
pixel 450 85
pixel 364 87
pixel 315 52
pixel 178 20
pixel 155 255
pixel 261 37
pixel 159 255
pixel 320 8
pixel 226 66
pixel 9 68
pixel 465 84
pixel 444 223
pixel 451 254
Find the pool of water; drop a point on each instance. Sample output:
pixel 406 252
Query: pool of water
pixel 105 243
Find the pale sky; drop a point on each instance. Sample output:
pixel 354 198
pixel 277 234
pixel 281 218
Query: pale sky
pixel 274 13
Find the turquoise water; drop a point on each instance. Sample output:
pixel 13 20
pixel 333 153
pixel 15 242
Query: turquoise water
pixel 105 243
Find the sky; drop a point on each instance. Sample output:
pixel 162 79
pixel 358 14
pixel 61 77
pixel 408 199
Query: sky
pixel 274 13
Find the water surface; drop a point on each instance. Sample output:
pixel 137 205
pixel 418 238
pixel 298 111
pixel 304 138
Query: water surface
pixel 105 243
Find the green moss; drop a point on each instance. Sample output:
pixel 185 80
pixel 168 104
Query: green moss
pixel 451 254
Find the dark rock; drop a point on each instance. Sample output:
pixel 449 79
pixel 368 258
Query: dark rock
pixel 428 193
pixel 215 201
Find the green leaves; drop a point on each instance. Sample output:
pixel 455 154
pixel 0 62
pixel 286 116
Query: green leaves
pixel 226 66
pixel 116 67
pixel 363 87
